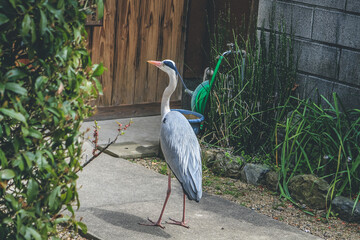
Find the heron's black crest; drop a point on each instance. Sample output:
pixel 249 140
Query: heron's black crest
pixel 164 121
pixel 170 65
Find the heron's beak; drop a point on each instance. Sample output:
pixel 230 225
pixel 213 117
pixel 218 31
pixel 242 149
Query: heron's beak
pixel 156 63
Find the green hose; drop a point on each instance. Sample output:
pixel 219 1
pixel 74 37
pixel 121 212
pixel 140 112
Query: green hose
pixel 202 92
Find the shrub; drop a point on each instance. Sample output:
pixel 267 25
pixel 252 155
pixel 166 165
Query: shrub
pixel 46 82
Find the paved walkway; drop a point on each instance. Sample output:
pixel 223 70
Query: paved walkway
pixel 117 194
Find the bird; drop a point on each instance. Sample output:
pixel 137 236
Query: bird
pixel 180 146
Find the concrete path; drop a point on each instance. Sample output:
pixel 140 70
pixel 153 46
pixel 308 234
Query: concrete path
pixel 117 194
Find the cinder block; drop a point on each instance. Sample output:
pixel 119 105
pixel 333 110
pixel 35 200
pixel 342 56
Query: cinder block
pixel 353 6
pixel 301 89
pixel 326 25
pixel 350 67
pixel 339 4
pixel 296 16
pixel 264 11
pixel 349 31
pixel 317 59
pixel 313 86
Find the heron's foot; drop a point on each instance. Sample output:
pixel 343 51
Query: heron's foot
pixel 180 223
pixel 152 223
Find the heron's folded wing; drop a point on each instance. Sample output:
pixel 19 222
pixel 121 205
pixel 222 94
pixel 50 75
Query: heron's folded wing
pixel 182 153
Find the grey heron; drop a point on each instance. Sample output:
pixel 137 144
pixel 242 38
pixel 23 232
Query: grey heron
pixel 180 147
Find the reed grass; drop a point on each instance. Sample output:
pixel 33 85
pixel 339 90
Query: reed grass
pixel 246 101
pixel 324 141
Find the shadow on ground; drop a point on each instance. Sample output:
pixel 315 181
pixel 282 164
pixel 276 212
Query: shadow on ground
pixel 127 221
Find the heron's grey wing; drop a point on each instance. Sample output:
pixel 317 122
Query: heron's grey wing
pixel 182 153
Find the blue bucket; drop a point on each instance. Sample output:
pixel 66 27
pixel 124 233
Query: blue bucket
pixel 195 119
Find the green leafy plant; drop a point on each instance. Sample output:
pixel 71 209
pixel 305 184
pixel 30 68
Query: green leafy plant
pixel 321 139
pixel 46 82
pixel 250 93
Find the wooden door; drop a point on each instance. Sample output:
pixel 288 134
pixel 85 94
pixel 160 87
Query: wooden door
pixel 133 32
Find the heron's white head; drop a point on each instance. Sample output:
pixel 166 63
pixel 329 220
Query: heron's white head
pixel 166 65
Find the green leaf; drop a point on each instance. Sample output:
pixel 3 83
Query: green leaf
pixel 2 89
pixel 7 174
pixel 54 198
pixel 25 26
pixel 16 88
pixel 10 198
pixel 15 74
pixel 54 111
pixel 33 233
pixel 32 190
pixel 100 8
pixel 43 22
pixel 40 81
pixel 18 162
pixel 82 226
pixel 3 159
pixel 98 70
pixel 7 220
pixel 3 19
pixel 13 3
pixel 61 220
pixel 98 86
pixel 35 133
pixel 33 31
pixel 12 114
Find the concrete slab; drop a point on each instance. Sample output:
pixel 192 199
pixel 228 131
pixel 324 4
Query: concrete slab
pixel 141 139
pixel 129 150
pixel 117 194
pixel 143 129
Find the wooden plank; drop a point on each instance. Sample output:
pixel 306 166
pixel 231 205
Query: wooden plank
pixel 103 50
pixel 146 75
pixel 128 111
pixel 125 56
pixel 172 39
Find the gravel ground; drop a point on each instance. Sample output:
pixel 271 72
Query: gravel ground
pixel 268 203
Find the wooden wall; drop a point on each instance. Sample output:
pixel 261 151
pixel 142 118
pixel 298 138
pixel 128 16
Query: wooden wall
pixel 201 14
pixel 133 32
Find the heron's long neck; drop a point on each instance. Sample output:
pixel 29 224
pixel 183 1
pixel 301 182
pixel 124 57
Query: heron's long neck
pixel 165 101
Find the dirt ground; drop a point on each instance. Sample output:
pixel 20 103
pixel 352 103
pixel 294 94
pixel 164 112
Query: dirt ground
pixel 268 203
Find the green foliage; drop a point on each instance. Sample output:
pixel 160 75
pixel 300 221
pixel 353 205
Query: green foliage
pixel 322 140
pixel 46 82
pixel 248 94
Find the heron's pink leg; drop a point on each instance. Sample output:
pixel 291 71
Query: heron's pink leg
pixel 182 223
pixel 158 222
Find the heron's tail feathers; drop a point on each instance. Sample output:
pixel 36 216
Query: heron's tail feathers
pixel 193 186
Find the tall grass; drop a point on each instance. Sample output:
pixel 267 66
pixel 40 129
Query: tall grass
pixel 324 141
pixel 245 104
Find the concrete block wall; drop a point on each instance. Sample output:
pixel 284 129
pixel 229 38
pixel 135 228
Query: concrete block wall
pixel 327 35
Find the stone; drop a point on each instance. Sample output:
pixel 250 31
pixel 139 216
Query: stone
pixel 271 180
pixel 254 173
pixel 222 163
pixel 310 190
pixel 344 207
